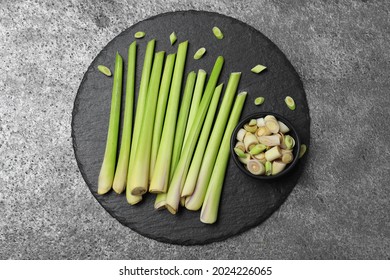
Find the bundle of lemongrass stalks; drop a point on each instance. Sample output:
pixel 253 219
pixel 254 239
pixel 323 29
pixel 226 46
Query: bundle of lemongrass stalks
pixel 178 152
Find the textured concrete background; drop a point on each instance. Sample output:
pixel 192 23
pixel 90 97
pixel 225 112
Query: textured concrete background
pixel 339 210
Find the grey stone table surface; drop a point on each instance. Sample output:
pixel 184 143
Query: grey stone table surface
pixel 340 209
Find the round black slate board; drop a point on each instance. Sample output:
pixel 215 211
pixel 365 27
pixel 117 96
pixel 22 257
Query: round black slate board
pixel 245 201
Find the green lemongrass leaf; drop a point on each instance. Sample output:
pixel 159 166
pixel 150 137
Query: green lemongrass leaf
pixel 210 206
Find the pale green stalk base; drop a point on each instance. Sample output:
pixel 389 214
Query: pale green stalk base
pixel 143 90
pixel 194 202
pixel 161 108
pixel 120 178
pixel 160 201
pixel 160 178
pixel 210 206
pixel 107 170
pixel 196 162
pixel 178 180
pixel 198 91
pixel 139 176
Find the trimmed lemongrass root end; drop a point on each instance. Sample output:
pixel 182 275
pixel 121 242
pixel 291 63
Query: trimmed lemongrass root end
pixel 172 38
pixel 107 171
pixel 303 150
pixel 105 70
pixel 199 53
pixel 139 35
pixel 258 68
pixel 259 100
pixel 217 33
pixel 290 102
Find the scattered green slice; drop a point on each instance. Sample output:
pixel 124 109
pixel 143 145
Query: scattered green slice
pixel 217 33
pixel 103 69
pixel 258 68
pixel 139 35
pixel 259 100
pixel 290 102
pixel 199 53
pixel 172 38
pixel 302 151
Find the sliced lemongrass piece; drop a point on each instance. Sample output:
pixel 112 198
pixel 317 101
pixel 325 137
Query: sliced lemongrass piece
pixel 269 117
pixel 240 146
pixel 277 167
pixel 240 153
pixel 210 206
pixel 194 202
pixel 160 177
pixel 269 140
pixel 259 100
pixel 199 53
pixel 273 153
pixel 263 131
pixel 290 102
pixel 284 151
pixel 241 134
pixel 217 33
pixel 120 178
pixel 283 128
pixel 196 162
pixel 106 175
pixel 289 142
pixel 197 96
pixel 139 176
pixel 260 157
pixel 245 159
pixel 258 68
pixel 257 149
pixel 287 158
pixel 249 128
pixel 161 109
pixel 268 168
pixel 272 125
pixel 302 151
pixel 139 35
pixel 255 167
pixel 250 141
pixel 105 70
pixel 260 122
pixel 142 96
pixel 180 174
pixel 172 38
pixel 252 122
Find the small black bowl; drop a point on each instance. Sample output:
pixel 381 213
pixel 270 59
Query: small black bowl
pixel 292 132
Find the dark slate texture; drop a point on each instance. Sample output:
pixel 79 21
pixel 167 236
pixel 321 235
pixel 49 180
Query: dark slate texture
pixel 339 209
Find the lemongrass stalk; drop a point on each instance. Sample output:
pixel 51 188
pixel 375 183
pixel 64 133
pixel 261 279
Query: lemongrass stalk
pixel 160 201
pixel 143 90
pixel 161 108
pixel 160 177
pixel 201 146
pixel 200 81
pixel 182 120
pixel 210 206
pixel 139 179
pixel 194 202
pixel 177 183
pixel 119 184
pixel 107 170
pixel 176 186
